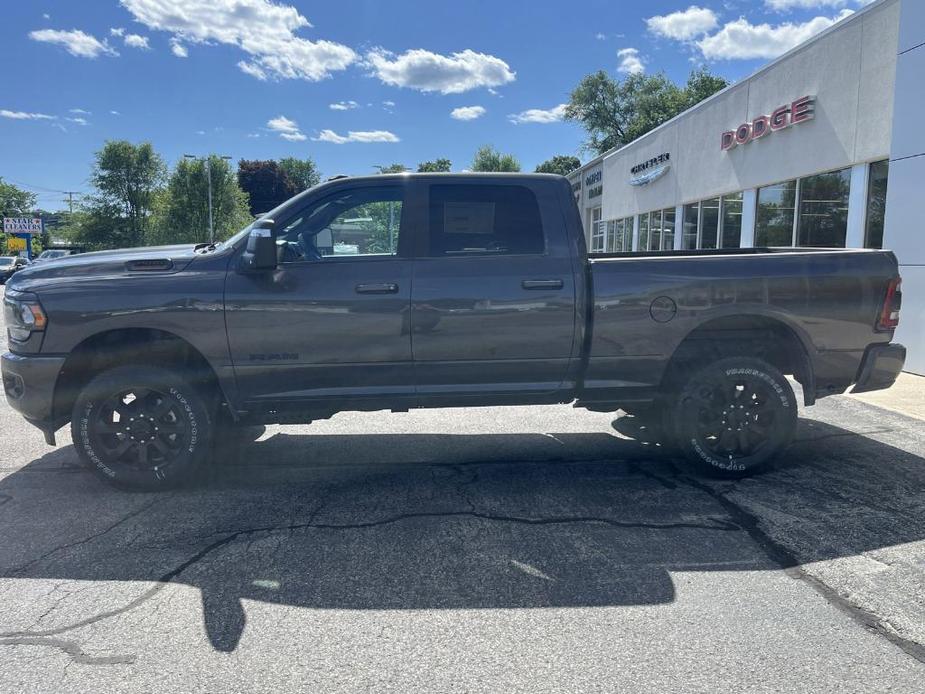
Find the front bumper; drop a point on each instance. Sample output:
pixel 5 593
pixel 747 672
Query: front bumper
pixel 29 384
pixel 880 367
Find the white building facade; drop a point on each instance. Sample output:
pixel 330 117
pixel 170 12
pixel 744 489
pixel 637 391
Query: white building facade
pixel 819 148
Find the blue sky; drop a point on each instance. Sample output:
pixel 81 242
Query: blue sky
pixel 351 84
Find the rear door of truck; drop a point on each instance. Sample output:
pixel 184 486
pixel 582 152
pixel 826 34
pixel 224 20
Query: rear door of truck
pixel 493 289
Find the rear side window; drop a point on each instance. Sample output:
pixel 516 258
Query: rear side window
pixel 484 220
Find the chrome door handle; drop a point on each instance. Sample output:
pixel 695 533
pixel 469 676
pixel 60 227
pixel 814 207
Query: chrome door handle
pixel 377 288
pixel 542 284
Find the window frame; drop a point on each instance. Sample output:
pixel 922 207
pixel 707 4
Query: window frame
pixel 403 250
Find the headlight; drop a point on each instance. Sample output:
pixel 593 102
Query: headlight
pixel 24 315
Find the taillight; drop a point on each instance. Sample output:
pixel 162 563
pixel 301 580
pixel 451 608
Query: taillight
pixel 892 302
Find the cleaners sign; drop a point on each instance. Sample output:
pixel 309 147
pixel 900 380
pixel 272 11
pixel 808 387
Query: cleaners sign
pixel 799 111
pixel 22 225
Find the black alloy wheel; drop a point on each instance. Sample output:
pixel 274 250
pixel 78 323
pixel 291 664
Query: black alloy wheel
pixel 735 416
pixel 141 429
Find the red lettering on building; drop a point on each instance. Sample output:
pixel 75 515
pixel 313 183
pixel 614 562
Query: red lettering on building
pixel 799 111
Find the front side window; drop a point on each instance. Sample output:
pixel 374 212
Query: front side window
pixel 824 209
pixel 876 203
pixel 357 222
pixel 774 220
pixel 486 220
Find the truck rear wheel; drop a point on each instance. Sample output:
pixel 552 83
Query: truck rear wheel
pixel 735 416
pixel 141 428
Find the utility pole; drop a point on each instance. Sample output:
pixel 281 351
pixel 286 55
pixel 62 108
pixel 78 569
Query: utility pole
pixel 207 160
pixel 70 199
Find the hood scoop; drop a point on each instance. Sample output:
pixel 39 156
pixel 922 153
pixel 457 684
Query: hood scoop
pixel 149 265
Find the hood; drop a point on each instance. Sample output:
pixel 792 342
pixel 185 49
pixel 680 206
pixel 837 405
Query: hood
pixel 161 260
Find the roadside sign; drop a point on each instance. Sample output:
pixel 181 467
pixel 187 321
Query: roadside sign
pixel 15 244
pixel 22 225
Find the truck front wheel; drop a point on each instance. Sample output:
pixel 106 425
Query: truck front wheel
pixel 141 428
pixel 734 416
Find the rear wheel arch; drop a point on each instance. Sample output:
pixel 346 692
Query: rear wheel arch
pixel 750 335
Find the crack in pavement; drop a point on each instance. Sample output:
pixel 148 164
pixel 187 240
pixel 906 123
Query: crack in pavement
pixel 783 557
pixel 45 635
pixel 144 507
pixel 71 648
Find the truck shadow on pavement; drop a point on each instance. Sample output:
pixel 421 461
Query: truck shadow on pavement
pixel 411 521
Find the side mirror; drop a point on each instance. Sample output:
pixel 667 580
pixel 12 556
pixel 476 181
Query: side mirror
pixel 260 253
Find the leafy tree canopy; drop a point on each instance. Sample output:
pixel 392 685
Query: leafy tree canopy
pixel 615 112
pixel 126 177
pixel 266 183
pixel 487 158
pixel 435 166
pixel 15 200
pixel 561 164
pixel 182 208
pixel 302 173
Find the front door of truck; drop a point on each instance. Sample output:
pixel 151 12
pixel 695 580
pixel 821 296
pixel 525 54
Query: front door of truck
pixel 333 319
pixel 494 296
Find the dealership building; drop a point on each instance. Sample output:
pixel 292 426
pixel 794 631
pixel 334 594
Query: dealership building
pixel 822 147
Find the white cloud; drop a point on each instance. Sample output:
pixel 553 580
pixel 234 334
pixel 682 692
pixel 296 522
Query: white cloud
pixel 784 5
pixel 24 115
pixel 137 41
pixel 388 104
pixel 538 115
pixel 287 129
pixel 741 39
pixel 78 120
pixel 75 42
pixel 80 112
pixel 45 15
pixel 252 69
pixel 117 31
pixel 630 62
pixel 115 113
pixel 264 30
pixel 467 112
pixel 356 136
pixel 600 37
pixel 177 48
pixel 432 72
pixel 683 25
pixel 343 105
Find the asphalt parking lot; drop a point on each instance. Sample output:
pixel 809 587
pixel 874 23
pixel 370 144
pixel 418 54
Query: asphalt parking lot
pixel 499 550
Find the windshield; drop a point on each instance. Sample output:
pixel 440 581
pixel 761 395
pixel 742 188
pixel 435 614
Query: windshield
pixel 5 261
pixel 49 255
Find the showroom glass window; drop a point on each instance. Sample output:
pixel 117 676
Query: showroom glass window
pixel 823 218
pixel 689 232
pixel 731 230
pixel 876 203
pixel 774 218
pixel 709 222
pixel 668 225
pixel 643 232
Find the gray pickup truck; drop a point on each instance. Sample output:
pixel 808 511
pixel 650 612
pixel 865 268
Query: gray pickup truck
pixel 410 291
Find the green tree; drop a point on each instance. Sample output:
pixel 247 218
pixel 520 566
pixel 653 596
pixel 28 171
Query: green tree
pixel 615 112
pixel 98 224
pixel 487 158
pixel 392 168
pixel 302 173
pixel 561 164
pixel 435 166
pixel 266 183
pixel 182 208
pixel 14 200
pixel 126 177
